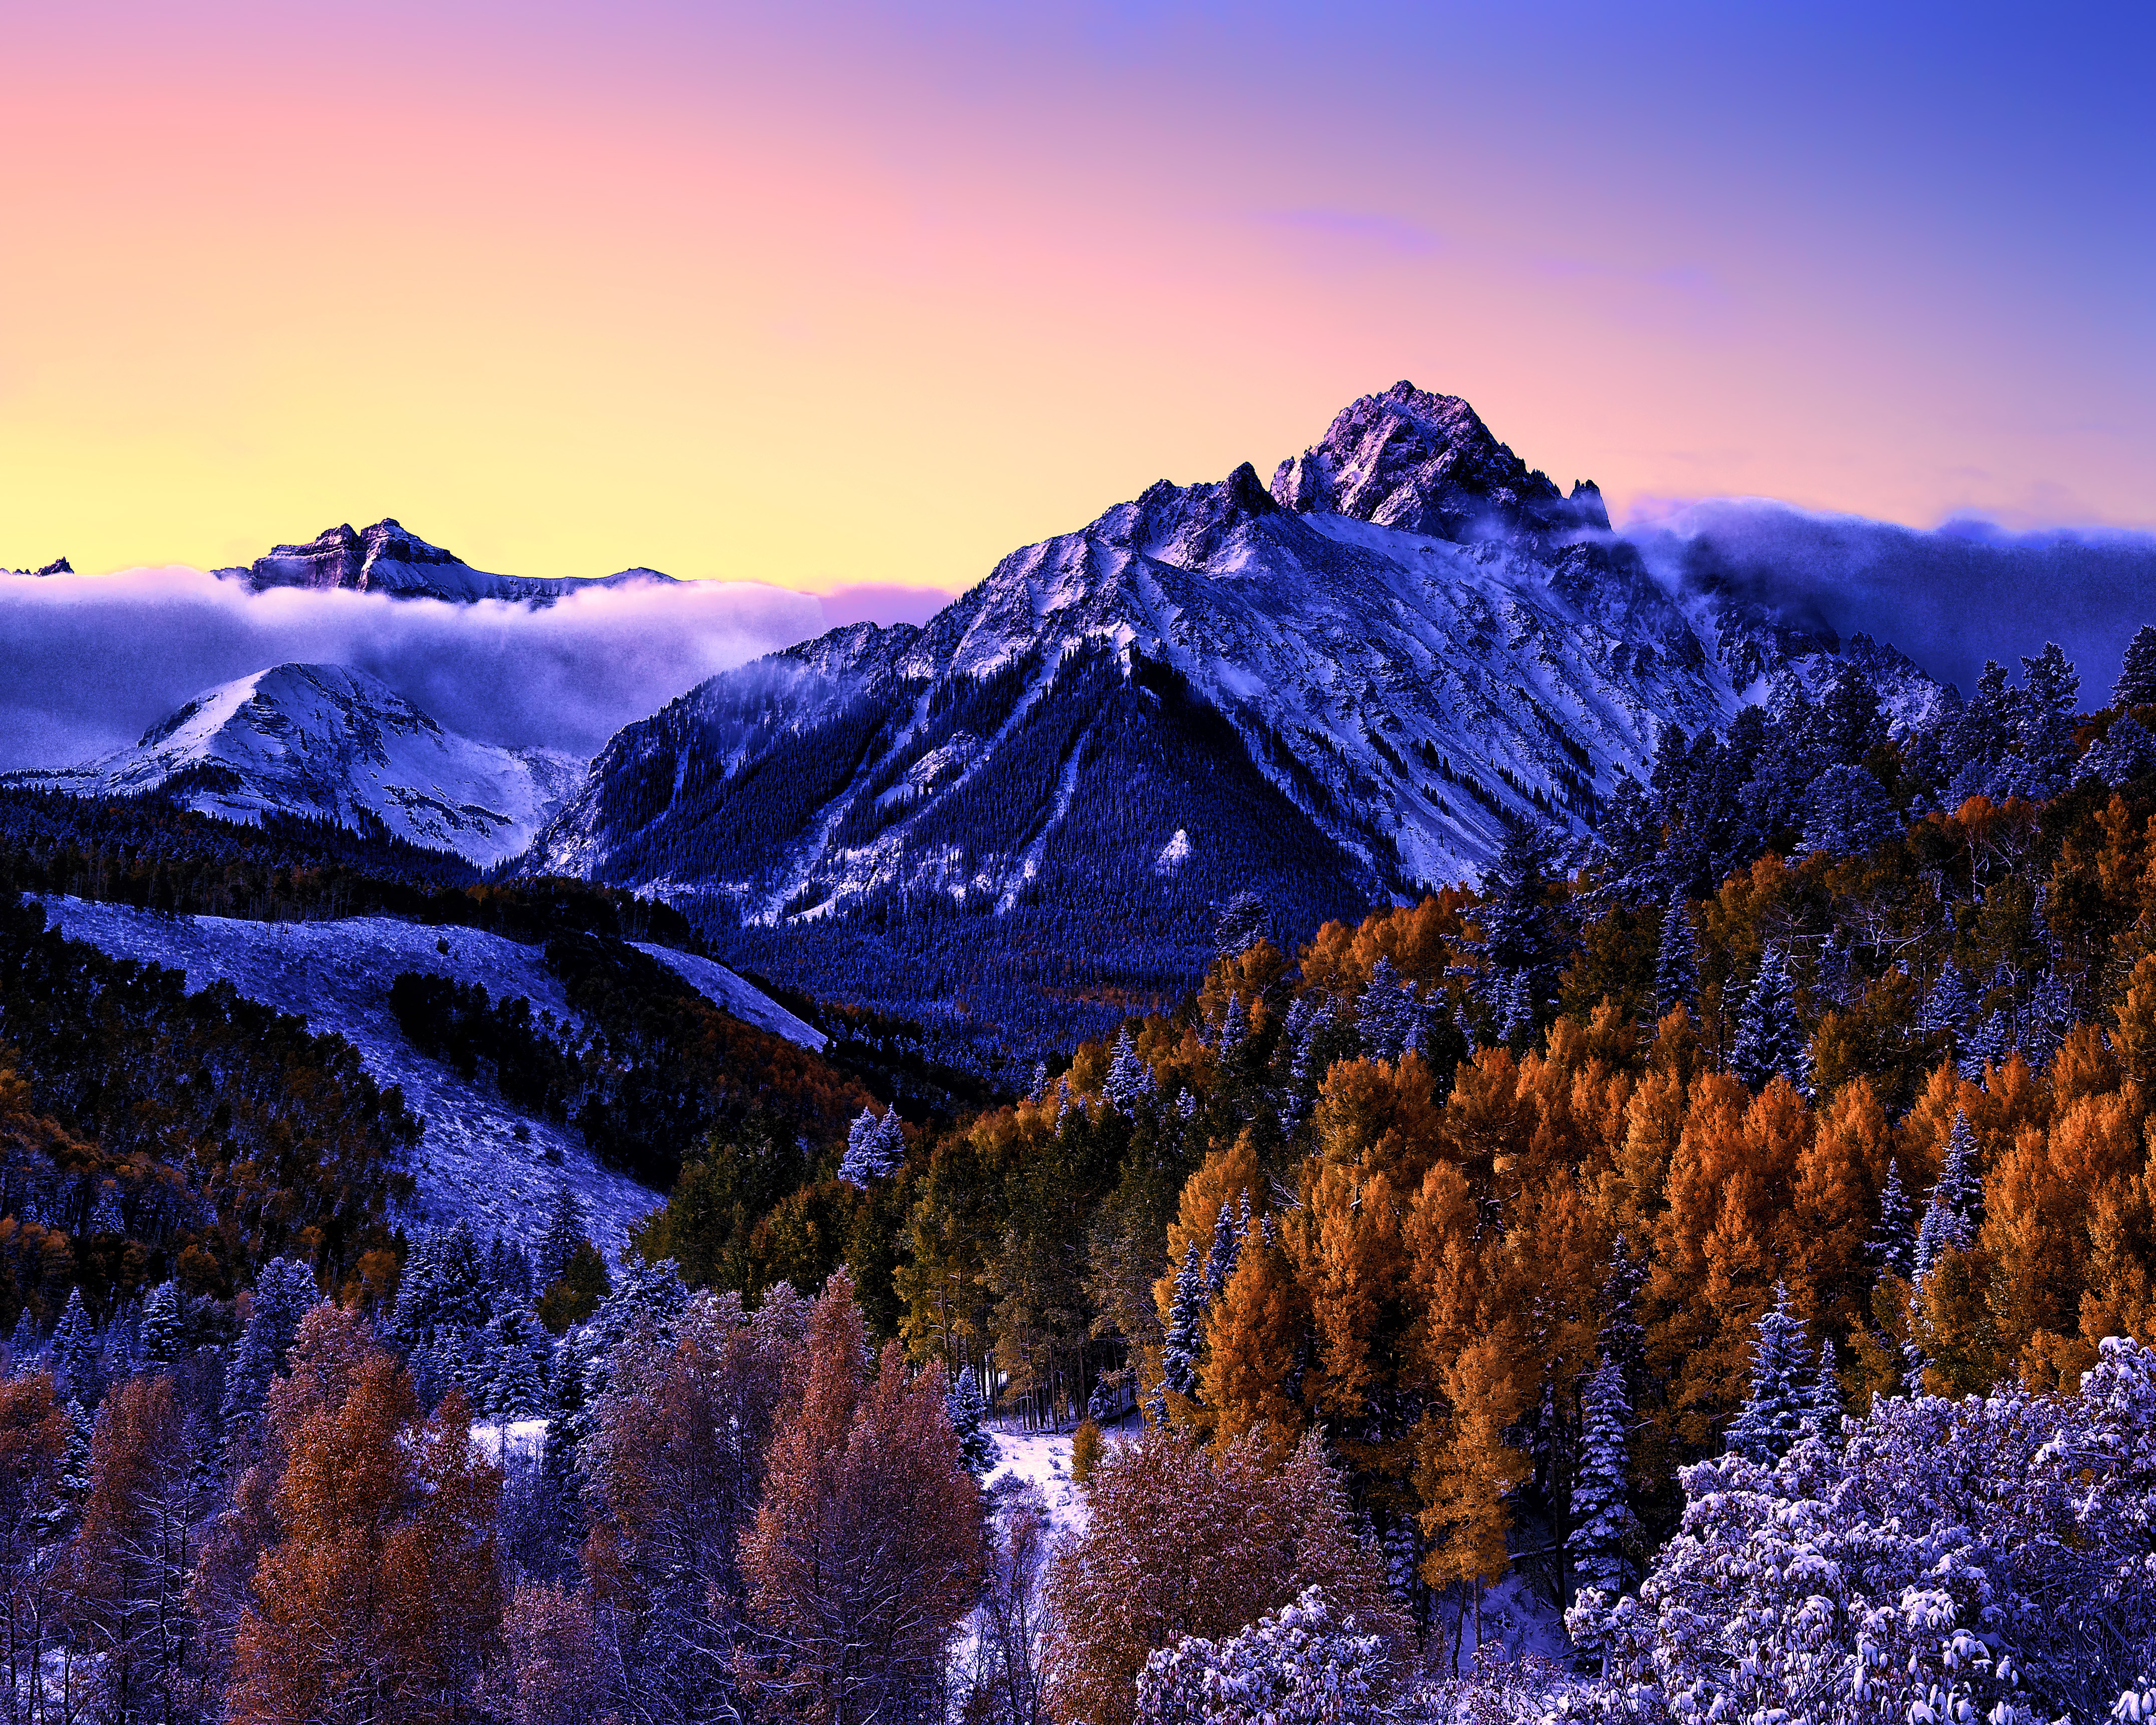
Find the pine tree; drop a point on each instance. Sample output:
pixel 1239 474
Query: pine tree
pixel 24 1343
pixel 1186 1326
pixel 1676 966
pixel 1957 1201
pixel 444 1286
pixel 283 1291
pixel 1605 1530
pixel 1893 1239
pixel 77 1474
pixel 1130 1080
pixel 1387 1014
pixel 1227 1242
pixel 1770 1039
pixel 967 1410
pixel 566 1230
pixel 75 1350
pixel 163 1335
pixel 875 1148
pixel 1772 1417
pixel 1823 1395
pixel 2137 675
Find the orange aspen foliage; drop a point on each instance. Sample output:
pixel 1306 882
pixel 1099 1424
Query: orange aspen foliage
pixel 1251 1338
pixel 380 1599
pixel 1383 1116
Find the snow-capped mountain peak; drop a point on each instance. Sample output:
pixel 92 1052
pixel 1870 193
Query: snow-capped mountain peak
pixel 328 741
pixel 388 559
pixel 1427 464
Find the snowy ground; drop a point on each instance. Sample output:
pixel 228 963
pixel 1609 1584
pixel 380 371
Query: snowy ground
pixel 479 1157
pixel 1042 1459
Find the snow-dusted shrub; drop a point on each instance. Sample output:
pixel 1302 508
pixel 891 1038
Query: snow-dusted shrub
pixel 1298 1665
pixel 1993 1557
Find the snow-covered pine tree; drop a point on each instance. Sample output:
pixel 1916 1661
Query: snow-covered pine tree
pixel 1822 1394
pixel 1227 1247
pixel 1605 1530
pixel 25 1344
pixel 566 1230
pixel 1945 1008
pixel 1676 963
pixel 1387 1014
pixel 875 1148
pixel 283 1289
pixel 508 1271
pixel 163 1335
pixel 968 1409
pixel 75 1350
pixel 444 1286
pixel 1957 1201
pixel 1894 1241
pixel 1846 813
pixel 1772 1417
pixel 518 1359
pixel 1186 1326
pixel 1623 1339
pixel 1515 1011
pixel 1130 1080
pixel 1770 1038
pixel 2137 675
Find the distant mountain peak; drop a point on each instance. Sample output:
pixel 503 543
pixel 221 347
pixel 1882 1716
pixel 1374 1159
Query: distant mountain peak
pixel 1426 464
pixel 337 743
pixel 389 558
pixel 59 566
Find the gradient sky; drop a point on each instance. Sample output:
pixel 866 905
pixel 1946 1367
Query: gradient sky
pixel 843 292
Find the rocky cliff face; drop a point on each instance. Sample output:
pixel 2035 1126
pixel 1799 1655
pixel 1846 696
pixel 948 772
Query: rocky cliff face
pixel 324 740
pixel 1338 688
pixel 385 558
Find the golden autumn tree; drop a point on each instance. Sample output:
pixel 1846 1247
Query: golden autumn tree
pixel 379 1600
pixel 134 1551
pixel 1185 1541
pixel 866 1550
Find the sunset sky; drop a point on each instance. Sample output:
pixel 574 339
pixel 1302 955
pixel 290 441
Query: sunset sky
pixel 842 293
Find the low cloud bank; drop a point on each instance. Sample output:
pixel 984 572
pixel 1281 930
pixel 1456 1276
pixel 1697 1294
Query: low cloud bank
pixel 88 663
pixel 1950 598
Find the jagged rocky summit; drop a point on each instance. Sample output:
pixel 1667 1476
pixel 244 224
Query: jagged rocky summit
pixel 329 741
pixel 385 558
pixel 1335 688
pixel 59 566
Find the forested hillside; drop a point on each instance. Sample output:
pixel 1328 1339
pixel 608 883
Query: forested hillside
pixel 1740 1231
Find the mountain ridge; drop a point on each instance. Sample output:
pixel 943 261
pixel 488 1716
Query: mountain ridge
pixel 388 559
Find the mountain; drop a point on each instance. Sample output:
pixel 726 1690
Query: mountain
pixel 1337 689
pixel 59 566
pixel 385 558
pixel 480 1156
pixel 325 741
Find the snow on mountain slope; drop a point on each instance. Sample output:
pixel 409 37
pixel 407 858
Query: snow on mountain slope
pixel 1357 678
pixel 324 741
pixel 479 1157
pixel 386 558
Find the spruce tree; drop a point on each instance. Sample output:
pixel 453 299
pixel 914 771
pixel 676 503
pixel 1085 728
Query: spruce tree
pixel 1676 965
pixel 1823 1395
pixel 1957 1201
pixel 24 1345
pixel 283 1291
pixel 1130 1078
pixel 1387 1013
pixel 1770 1038
pixel 163 1335
pixel 1605 1530
pixel 1227 1242
pixel 967 1410
pixel 1772 1417
pixel 566 1230
pixel 1893 1240
pixel 875 1148
pixel 2137 675
pixel 75 1350
pixel 1186 1326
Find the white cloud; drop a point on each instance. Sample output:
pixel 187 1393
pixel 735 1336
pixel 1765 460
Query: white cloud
pixel 87 663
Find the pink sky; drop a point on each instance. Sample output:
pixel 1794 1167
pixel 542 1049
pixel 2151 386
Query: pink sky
pixel 872 295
